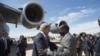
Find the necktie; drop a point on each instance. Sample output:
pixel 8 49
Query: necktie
pixel 5 41
pixel 47 40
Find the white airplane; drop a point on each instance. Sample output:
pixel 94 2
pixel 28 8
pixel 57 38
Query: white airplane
pixel 54 27
pixel 30 16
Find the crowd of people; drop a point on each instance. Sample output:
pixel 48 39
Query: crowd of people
pixel 70 45
pixel 85 43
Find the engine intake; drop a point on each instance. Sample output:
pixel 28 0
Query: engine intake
pixel 32 15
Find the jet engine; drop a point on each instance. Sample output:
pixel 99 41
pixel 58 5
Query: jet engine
pixel 32 15
pixel 54 27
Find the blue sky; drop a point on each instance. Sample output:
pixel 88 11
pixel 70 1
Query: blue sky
pixel 81 15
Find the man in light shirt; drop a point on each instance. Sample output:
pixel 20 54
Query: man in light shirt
pixel 68 43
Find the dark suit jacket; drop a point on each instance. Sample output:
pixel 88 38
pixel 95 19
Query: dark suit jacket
pixel 4 52
pixel 39 43
pixel 89 45
pixel 98 47
pixel 22 46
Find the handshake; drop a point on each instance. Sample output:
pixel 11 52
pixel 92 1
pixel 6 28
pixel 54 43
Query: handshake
pixel 42 52
pixel 53 46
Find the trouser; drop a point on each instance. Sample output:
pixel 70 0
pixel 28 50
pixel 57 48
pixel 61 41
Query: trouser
pixel 81 51
pixel 23 53
pixel 5 54
pixel 91 53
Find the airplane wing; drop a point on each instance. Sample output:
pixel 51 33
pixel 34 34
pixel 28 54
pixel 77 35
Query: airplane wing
pixel 30 16
pixel 9 14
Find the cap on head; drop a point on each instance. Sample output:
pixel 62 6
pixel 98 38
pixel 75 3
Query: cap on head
pixel 64 27
pixel 44 25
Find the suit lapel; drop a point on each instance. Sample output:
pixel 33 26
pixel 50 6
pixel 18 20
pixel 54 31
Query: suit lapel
pixel 46 39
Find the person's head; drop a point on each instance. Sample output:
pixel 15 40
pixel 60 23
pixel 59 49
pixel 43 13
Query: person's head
pixel 99 21
pixel 83 35
pixel 4 34
pixel 74 34
pixel 90 36
pixel 21 37
pixel 63 29
pixel 45 28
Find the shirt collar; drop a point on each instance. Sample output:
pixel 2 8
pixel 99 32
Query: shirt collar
pixel 43 33
pixel 67 34
pixel 4 38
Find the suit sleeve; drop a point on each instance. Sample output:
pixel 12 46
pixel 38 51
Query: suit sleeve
pixel 1 48
pixel 40 43
pixel 98 47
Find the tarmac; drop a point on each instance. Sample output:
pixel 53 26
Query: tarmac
pixel 28 51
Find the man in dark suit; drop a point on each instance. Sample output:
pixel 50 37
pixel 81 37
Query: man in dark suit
pixel 97 49
pixel 41 41
pixel 5 45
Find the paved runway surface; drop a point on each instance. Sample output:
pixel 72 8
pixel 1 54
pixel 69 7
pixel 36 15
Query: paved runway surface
pixel 28 52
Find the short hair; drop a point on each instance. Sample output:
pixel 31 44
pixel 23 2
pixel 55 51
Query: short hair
pixel 44 26
pixel 21 35
pixel 3 33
